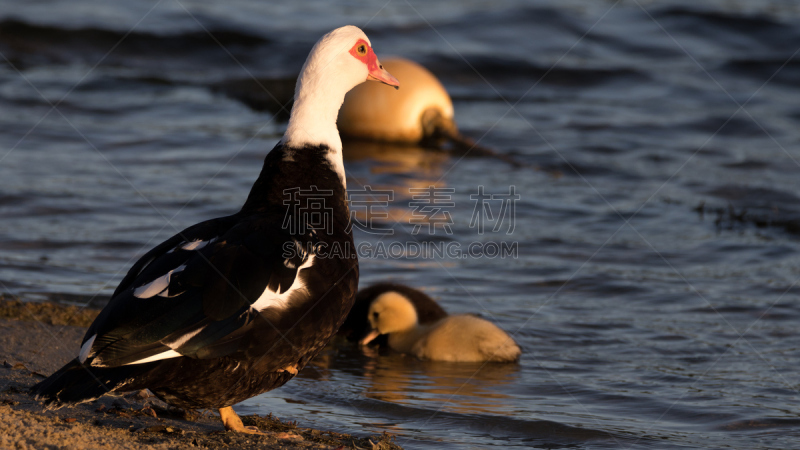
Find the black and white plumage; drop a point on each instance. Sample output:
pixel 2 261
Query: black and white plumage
pixel 235 306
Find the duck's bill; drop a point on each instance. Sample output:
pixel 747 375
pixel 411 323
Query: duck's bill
pixel 369 337
pixel 378 73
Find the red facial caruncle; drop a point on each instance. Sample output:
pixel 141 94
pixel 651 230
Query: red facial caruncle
pixel 364 53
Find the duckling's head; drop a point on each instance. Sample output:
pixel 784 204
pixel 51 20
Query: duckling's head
pixel 390 312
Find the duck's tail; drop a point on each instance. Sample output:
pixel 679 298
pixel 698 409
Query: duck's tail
pixel 79 383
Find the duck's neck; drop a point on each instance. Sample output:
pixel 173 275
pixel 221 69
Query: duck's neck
pixel 313 119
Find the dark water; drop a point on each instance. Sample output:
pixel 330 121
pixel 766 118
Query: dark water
pixel 654 290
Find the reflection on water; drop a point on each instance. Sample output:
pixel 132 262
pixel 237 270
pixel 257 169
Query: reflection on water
pixel 416 166
pixel 469 388
pixel 466 387
pixel 396 174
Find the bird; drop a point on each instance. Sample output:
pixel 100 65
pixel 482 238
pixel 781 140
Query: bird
pixel 357 326
pixel 422 111
pixel 235 306
pixel 457 338
pixel 419 116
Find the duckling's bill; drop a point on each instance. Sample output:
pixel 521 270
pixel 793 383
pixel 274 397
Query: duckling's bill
pixel 369 337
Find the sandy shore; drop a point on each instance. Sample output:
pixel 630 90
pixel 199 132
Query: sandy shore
pixel 38 338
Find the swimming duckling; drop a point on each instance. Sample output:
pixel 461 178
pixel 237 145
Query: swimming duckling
pixel 357 326
pixel 461 338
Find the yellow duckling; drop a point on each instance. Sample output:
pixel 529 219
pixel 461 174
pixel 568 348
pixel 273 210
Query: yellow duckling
pixel 419 114
pixel 461 338
pixel 418 111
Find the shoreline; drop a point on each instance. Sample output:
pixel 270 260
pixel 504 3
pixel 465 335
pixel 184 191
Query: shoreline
pixel 38 338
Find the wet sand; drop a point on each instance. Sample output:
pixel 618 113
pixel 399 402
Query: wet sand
pixel 38 338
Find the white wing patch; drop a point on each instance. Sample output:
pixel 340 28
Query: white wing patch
pixel 270 299
pixel 167 294
pixel 197 244
pixel 84 353
pixel 182 339
pixel 159 356
pixel 157 286
pixel 174 344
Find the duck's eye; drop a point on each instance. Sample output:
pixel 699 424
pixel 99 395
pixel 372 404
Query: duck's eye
pixel 362 50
